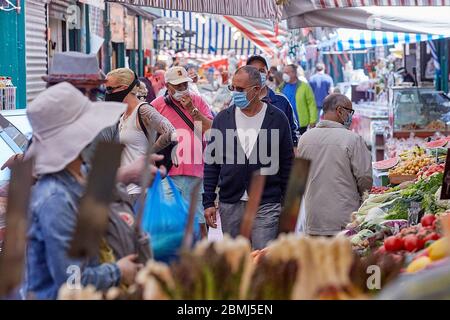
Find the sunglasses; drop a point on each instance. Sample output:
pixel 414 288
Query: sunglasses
pixel 238 89
pixel 352 111
pixel 111 89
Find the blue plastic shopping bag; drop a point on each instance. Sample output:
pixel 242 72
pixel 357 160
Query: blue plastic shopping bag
pixel 165 219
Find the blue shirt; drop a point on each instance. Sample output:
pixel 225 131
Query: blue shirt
pixel 282 103
pixel 289 90
pixel 53 217
pixel 320 84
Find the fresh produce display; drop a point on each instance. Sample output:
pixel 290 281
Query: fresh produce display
pixel 436 125
pixel 292 267
pixel 386 164
pixel 430 170
pixel 402 229
pixel 411 166
pixel 379 190
pixel 440 143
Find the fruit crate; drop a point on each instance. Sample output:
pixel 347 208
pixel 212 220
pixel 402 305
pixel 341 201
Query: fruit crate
pixel 8 98
pixel 400 178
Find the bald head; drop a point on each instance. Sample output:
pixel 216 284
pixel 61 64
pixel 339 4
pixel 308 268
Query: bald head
pixel 335 100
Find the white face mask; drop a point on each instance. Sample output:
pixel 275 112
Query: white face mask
pixel 286 77
pixel 179 94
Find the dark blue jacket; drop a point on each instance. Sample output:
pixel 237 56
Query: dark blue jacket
pixel 232 171
pixel 282 103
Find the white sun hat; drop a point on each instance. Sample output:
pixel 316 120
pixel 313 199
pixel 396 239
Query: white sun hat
pixel 64 122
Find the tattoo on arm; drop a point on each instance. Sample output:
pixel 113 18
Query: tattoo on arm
pixel 153 120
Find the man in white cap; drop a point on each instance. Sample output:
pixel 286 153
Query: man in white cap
pixel 59 137
pixel 191 117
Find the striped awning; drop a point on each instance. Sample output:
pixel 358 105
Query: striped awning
pixel 328 4
pixel 212 36
pixel 263 33
pixel 350 39
pixel 360 13
pixel 267 9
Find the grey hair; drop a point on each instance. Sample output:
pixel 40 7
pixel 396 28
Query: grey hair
pixel 331 102
pixel 253 75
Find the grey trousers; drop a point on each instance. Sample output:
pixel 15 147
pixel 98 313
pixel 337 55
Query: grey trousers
pixel 265 225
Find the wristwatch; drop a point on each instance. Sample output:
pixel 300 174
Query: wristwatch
pixel 194 112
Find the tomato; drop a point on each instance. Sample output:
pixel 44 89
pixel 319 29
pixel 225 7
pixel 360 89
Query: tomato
pixel 432 236
pixel 427 220
pixel 393 244
pixel 421 241
pixel 411 242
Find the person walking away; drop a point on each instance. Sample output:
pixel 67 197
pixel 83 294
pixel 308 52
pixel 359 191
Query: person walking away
pixel 191 117
pixel 277 100
pixel 59 136
pixel 258 128
pixel 341 169
pixel 301 97
pixel 122 86
pixel 321 84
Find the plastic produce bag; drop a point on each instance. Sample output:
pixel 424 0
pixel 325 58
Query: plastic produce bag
pixel 165 219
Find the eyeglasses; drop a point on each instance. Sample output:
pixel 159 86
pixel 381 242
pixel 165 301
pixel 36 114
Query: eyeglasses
pixel 352 111
pixel 238 89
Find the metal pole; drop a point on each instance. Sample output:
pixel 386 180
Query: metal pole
pixel 443 44
pixel 140 64
pixel 88 31
pixel 107 34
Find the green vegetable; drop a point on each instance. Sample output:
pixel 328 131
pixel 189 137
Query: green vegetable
pixel 399 210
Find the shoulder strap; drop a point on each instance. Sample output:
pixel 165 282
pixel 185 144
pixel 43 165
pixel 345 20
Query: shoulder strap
pixel 169 102
pixel 141 123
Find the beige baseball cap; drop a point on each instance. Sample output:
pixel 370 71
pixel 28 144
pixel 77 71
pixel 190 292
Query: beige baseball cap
pixel 177 75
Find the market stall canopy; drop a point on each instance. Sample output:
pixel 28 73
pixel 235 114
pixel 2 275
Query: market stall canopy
pixel 141 12
pixel 267 9
pixel 265 34
pixel 214 34
pixel 352 39
pixel 417 19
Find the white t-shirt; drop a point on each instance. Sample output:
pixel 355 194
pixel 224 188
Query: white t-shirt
pixel 135 142
pixel 248 130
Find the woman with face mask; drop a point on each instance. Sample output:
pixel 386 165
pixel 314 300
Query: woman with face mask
pixel 140 118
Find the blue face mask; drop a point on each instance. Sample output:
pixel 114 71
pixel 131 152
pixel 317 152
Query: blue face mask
pixel 240 99
pixel 263 78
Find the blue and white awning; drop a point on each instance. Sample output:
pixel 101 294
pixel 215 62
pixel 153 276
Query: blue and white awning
pixel 352 39
pixel 211 36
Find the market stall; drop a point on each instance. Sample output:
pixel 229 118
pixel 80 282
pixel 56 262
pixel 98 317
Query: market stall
pixel 410 220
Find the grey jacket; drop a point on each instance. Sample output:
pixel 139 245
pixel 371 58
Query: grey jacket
pixel 340 172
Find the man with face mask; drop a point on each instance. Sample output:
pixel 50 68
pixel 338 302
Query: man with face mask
pixel 249 136
pixel 191 117
pixel 340 172
pixel 278 100
pixel 301 97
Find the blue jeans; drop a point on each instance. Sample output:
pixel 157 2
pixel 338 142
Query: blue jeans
pixel 184 185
